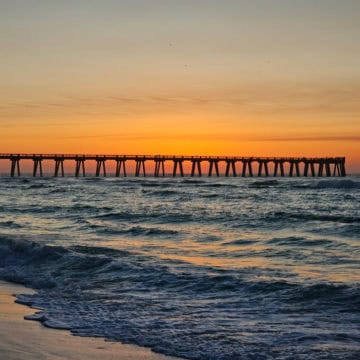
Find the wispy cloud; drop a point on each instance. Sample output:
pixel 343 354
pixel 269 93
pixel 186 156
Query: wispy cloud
pixel 316 138
pixel 216 137
pixel 318 98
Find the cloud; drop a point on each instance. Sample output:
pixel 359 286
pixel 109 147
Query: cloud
pixel 326 97
pixel 217 137
pixel 312 138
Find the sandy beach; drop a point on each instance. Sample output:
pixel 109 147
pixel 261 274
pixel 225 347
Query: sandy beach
pixel 29 340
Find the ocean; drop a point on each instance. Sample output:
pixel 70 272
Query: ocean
pixel 199 268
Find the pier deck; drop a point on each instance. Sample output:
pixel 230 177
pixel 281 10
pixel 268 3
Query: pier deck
pixel 232 165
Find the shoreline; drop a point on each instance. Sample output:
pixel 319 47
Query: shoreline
pixel 22 339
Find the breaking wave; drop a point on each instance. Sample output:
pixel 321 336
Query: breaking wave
pixel 119 295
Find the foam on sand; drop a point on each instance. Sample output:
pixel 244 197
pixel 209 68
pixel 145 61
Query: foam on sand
pixel 29 340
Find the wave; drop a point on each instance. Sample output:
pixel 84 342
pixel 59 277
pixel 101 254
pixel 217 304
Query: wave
pixel 52 260
pixel 264 183
pixel 58 191
pixel 137 217
pixel 154 183
pixel 138 231
pixel 281 215
pixel 35 209
pixel 210 196
pixel 10 224
pixel 192 181
pixel 38 186
pixel 95 291
pixel 219 185
pixel 208 238
pixel 239 242
pixel 122 215
pixel 90 178
pixel 338 184
pixel 162 192
pixel 348 230
pixel 299 241
pixel 327 293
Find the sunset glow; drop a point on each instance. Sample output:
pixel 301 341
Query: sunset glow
pixel 274 78
pixel 179 179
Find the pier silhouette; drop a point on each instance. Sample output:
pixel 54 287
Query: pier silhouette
pixel 233 165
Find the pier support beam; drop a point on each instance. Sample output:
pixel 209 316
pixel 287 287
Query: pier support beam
pixel 80 164
pixel 15 166
pixel 178 162
pixel 230 166
pixel 159 165
pixel 312 167
pixel 327 168
pixel 263 163
pixel 321 168
pixel 59 165
pixel 278 164
pixel 306 168
pixel 140 167
pixel 339 167
pixel 37 165
pixel 294 164
pixel 214 163
pixel 196 164
pixel 100 164
pixel 246 166
pixel 120 164
pixel 342 167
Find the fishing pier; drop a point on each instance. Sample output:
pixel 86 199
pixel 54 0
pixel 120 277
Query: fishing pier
pixel 230 165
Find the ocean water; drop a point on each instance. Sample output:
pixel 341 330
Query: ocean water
pixel 200 268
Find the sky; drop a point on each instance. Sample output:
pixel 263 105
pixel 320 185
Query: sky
pixel 204 77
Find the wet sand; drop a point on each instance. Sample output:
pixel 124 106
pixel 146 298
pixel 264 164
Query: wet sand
pixel 28 340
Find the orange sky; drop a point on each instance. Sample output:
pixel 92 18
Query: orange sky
pixel 231 77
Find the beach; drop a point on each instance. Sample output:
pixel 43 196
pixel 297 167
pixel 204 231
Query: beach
pixel 29 340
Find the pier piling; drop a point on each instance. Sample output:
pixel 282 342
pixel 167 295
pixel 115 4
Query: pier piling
pixel 140 167
pixel 230 167
pixel 159 165
pixel 178 163
pixel 100 164
pixel 80 165
pixel 213 164
pixel 120 164
pixel 196 165
pixel 59 165
pixel 15 166
pixel 263 164
pixel 37 165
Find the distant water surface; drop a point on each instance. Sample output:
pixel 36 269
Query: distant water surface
pixel 210 268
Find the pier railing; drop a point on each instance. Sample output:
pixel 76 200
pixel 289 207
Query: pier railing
pixel 266 166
